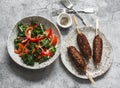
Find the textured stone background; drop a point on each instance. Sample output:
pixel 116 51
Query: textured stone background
pixel 56 75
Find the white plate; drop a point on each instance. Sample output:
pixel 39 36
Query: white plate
pixel 106 61
pixel 13 35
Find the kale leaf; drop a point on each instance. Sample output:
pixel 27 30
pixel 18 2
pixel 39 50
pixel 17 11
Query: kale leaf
pixel 36 31
pixel 34 22
pixel 16 41
pixel 52 49
pixel 31 46
pixel 43 59
pixel 28 59
pixel 45 43
pixel 22 27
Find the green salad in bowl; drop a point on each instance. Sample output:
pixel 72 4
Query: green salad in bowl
pixel 35 42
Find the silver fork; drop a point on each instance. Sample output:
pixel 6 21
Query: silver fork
pixel 69 5
pixel 86 11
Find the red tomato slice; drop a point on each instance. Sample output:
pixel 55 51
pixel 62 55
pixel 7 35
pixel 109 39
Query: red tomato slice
pixel 48 32
pixel 54 39
pixel 46 53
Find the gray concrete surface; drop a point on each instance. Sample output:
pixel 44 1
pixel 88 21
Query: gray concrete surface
pixel 56 75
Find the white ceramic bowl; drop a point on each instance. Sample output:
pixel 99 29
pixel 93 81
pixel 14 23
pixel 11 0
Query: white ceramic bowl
pixel 64 14
pixel 13 34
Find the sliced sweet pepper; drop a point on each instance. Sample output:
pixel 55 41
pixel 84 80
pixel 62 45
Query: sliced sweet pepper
pixel 48 32
pixel 21 46
pixel 36 39
pixel 28 35
pixel 54 39
pixel 28 32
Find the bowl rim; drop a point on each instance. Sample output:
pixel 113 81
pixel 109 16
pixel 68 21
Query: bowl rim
pixel 37 67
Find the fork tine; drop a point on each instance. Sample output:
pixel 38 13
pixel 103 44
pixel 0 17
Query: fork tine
pixel 64 2
pixel 67 4
pixel 68 1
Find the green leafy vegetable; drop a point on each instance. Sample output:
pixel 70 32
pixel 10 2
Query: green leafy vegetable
pixel 22 27
pixel 21 34
pixel 39 30
pixel 43 59
pixel 31 46
pixel 16 41
pixel 28 59
pixel 16 45
pixel 52 49
pixel 36 31
pixel 36 53
pixel 34 22
pixel 45 43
